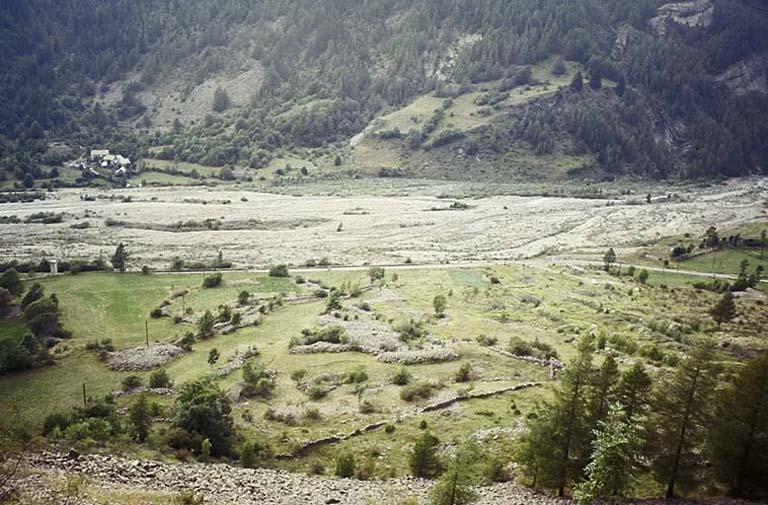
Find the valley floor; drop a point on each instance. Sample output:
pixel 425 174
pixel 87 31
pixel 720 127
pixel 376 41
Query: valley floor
pixel 255 229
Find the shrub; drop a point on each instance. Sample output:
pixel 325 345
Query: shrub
pixel 623 344
pixel 33 294
pixel 333 303
pixel 345 466
pixel 317 392
pixel 205 324
pixel 278 271
pixel 203 410
pixel 423 460
pixel 188 497
pixel 177 264
pixel 132 382
pixel 439 303
pixel 160 379
pixel 494 470
pixel 389 429
pixel 486 341
pixel 186 341
pixel 243 298
pixel 156 313
pixel 104 346
pixel 225 313
pixel 410 330
pixel 535 349
pixel 97 429
pixel 213 280
pixel 367 407
pixel 56 421
pixel 298 375
pixel 402 377
pixel 356 376
pixel 332 334
pixel 316 468
pixel 464 373
pixel 258 382
pixel 253 452
pixel 11 281
pixel 312 414
pixel 416 391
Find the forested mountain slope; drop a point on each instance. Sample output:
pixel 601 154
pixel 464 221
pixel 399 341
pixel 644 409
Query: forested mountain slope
pixel 668 90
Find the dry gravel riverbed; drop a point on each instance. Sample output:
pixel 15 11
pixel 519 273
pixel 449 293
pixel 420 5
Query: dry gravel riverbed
pixel 257 229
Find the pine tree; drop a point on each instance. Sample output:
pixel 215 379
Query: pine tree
pixel 140 418
pixel 423 460
pixel 609 258
pixel 621 86
pixel 612 471
pixel 577 83
pixel 595 79
pixel 725 310
pixel 205 324
pixel 558 67
pixel 738 436
pixel 557 444
pixel 120 257
pixel 634 390
pixel 248 455
pixel 221 101
pixel 680 416
pixel 453 488
pixel 213 356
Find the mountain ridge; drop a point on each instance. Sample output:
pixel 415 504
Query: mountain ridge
pixel 314 75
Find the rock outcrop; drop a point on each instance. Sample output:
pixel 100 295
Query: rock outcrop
pixel 694 13
pixel 143 358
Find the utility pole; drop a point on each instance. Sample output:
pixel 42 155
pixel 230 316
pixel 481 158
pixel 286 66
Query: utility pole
pixel 85 398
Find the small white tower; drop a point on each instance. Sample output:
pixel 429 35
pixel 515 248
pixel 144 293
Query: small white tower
pixel 54 267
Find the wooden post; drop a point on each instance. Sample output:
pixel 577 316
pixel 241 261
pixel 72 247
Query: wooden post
pixel 85 399
pixel 146 331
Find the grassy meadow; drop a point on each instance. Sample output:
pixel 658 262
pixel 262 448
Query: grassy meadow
pixel 551 305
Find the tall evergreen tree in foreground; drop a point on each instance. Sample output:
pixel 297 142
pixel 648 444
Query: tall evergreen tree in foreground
pixel 681 416
pixel 557 445
pixel 737 442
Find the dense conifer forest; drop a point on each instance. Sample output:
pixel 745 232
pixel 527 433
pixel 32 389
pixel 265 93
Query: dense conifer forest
pixel 331 67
